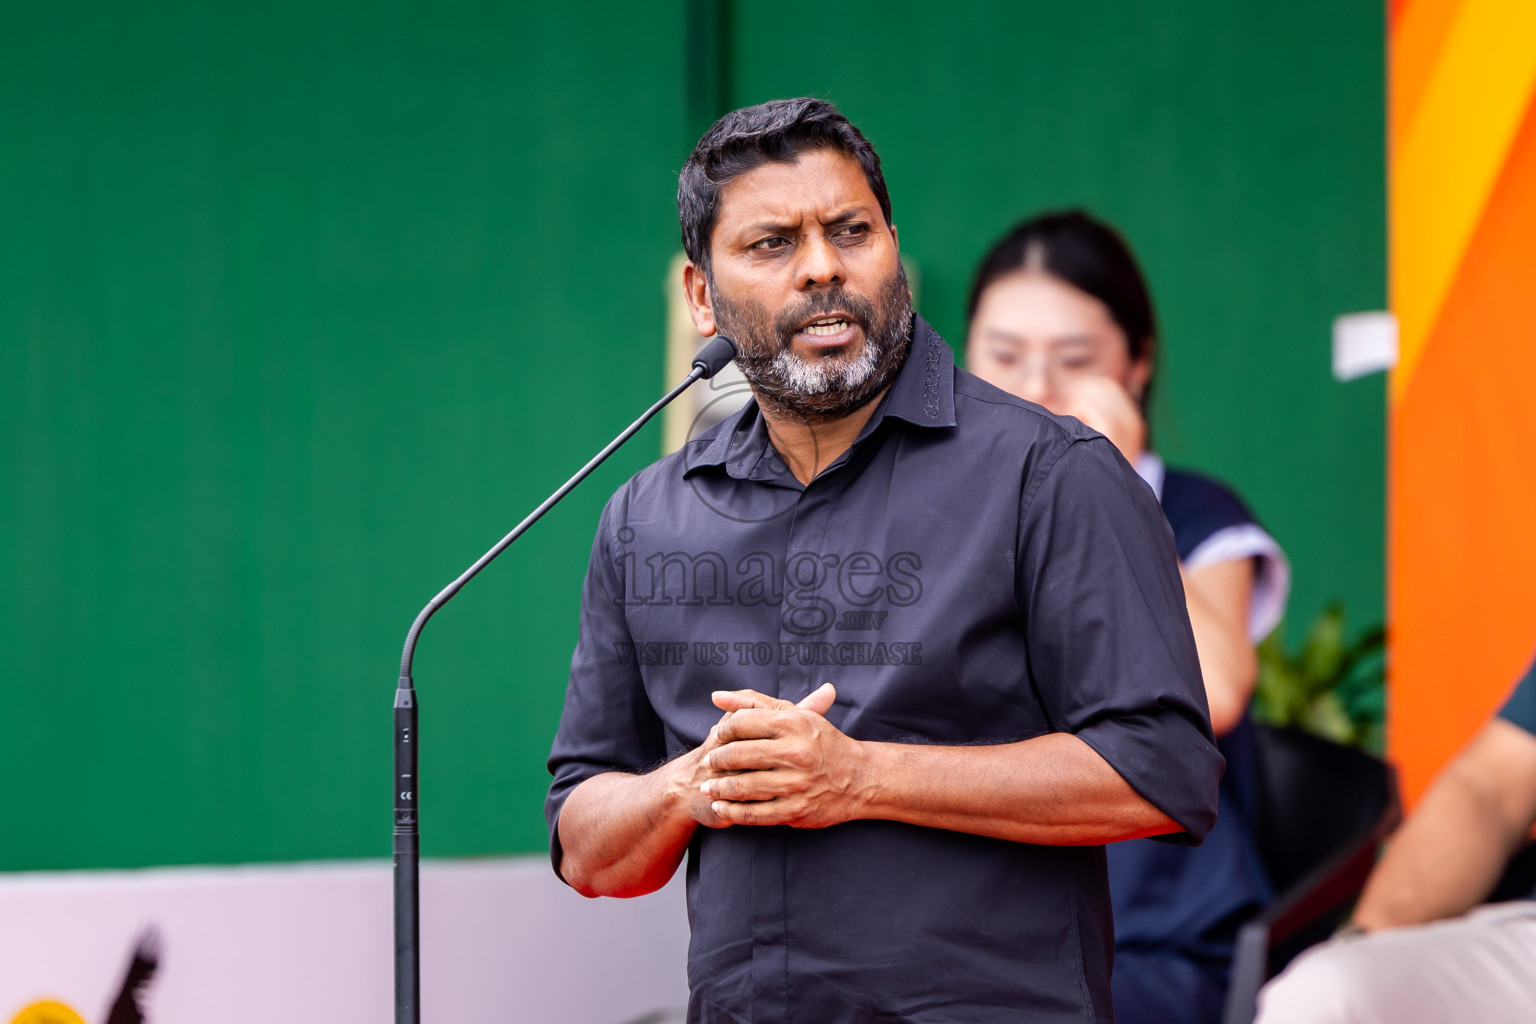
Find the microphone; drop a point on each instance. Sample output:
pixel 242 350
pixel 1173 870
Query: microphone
pixel 715 356
pixel 407 838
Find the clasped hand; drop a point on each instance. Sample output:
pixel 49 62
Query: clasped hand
pixel 770 762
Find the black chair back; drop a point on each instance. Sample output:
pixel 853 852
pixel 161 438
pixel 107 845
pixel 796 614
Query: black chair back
pixel 1314 797
pixel 1519 879
pixel 1323 809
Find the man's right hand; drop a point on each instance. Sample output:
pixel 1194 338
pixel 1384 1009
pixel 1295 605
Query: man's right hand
pixel 689 772
pixel 624 834
pixel 687 777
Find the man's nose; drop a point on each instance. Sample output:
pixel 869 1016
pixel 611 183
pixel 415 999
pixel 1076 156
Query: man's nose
pixel 821 263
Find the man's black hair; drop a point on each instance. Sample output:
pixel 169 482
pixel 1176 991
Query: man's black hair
pixel 778 131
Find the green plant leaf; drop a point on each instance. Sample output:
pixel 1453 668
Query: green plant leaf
pixel 1326 717
pixel 1332 686
pixel 1323 653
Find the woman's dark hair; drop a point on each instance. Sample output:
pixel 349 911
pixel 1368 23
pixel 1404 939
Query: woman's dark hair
pixel 1087 254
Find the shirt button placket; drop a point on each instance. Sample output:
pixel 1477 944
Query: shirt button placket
pixel 771 905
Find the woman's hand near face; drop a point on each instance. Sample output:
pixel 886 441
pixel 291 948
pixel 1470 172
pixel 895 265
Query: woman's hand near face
pixel 1101 403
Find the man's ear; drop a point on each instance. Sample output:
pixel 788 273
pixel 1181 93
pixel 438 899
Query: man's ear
pixel 701 304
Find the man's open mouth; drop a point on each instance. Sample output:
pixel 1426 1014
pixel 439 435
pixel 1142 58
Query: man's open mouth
pixel 826 326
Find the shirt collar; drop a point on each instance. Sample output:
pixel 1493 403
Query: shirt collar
pixel 740 446
pixel 924 390
pixel 922 394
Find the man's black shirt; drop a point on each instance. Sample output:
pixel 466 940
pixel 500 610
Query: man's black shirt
pixel 973 570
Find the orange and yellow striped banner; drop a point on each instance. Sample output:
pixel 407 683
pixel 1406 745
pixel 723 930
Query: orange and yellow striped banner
pixel 1462 449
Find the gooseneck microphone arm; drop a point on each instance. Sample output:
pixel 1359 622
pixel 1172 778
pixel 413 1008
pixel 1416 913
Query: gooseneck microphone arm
pixel 407 839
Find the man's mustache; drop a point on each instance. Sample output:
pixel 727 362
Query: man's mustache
pixel 859 310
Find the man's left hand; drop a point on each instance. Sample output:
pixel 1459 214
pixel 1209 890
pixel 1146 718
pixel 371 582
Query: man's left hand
pixel 783 764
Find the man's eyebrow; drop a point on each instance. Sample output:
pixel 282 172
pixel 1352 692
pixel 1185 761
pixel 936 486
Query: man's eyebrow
pixel 845 215
pixel 768 227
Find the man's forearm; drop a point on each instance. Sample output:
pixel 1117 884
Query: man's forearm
pixel 624 835
pixel 1053 789
pixel 796 769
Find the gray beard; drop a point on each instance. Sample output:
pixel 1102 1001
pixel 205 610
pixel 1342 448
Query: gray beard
pixel 805 377
pixel 821 389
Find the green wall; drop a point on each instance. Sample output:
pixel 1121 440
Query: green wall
pixel 284 289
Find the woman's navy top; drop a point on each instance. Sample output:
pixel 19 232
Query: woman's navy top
pixel 1185 900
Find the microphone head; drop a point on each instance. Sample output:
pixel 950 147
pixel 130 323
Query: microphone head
pixel 715 356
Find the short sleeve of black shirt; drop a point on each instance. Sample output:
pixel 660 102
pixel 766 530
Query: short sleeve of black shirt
pixel 1110 647
pixel 608 723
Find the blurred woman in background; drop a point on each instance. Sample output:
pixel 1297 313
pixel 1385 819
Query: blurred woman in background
pixel 1060 315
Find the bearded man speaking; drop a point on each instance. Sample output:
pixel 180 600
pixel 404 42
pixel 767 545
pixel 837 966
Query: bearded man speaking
pixel 889 654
